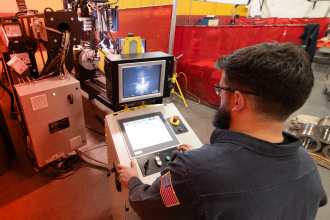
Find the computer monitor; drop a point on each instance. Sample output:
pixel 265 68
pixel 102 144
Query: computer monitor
pixel 138 77
pixel 144 79
pixel 146 134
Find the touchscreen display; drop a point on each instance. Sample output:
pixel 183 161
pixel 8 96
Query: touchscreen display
pixel 141 80
pixel 146 132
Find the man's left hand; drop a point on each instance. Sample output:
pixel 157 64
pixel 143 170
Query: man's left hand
pixel 126 173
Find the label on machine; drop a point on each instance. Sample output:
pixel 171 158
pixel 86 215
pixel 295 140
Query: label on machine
pixel 59 125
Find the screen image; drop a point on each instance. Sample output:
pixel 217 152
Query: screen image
pixel 146 132
pixel 141 80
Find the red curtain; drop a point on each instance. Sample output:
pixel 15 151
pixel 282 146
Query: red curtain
pixel 324 22
pixel 150 23
pixel 202 46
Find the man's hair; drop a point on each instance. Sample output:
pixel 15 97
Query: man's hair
pixel 280 73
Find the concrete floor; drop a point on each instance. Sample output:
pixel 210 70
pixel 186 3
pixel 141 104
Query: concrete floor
pixel 26 194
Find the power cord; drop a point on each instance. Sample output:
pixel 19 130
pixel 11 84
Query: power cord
pixel 199 100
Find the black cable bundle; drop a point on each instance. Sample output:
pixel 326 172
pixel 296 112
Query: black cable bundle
pixel 63 168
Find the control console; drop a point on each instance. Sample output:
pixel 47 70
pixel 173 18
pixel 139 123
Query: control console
pixel 149 136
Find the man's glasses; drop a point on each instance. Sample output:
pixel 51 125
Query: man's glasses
pixel 219 88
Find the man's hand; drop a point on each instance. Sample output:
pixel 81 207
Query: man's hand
pixel 185 147
pixel 125 173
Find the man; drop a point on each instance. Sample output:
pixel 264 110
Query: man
pixel 251 169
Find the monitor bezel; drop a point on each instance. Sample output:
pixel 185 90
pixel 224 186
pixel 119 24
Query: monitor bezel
pixel 148 150
pixel 141 97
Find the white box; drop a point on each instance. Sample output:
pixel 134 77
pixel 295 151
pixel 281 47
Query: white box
pixel 55 126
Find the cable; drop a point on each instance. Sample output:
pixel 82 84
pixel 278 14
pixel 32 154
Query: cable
pixel 91 158
pixel 3 81
pixel 57 58
pixel 49 29
pixel 107 24
pixel 93 148
pixel 111 3
pixel 95 131
pixel 199 100
pixel 95 47
pixel 42 56
pixel 25 12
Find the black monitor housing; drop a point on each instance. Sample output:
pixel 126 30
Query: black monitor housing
pixel 139 77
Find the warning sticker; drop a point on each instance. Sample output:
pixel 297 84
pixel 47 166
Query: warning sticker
pixel 54 157
pixel 59 125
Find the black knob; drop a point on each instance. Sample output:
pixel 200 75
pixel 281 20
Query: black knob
pixel 146 165
pixel 70 97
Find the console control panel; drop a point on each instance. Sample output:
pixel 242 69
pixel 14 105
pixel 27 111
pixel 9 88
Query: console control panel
pixel 155 162
pixel 177 125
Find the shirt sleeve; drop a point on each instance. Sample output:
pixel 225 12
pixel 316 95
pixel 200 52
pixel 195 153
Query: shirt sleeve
pixel 147 202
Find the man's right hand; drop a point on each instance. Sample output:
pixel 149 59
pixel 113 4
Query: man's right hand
pixel 185 147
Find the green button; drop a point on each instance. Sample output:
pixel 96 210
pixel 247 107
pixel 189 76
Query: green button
pixel 168 158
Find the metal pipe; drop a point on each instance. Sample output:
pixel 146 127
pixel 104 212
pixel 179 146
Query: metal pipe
pixel 173 24
pixel 233 16
pixel 190 12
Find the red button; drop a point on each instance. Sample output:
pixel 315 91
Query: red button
pixel 175 118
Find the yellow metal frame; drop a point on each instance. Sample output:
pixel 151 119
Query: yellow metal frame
pixel 174 80
pixel 128 40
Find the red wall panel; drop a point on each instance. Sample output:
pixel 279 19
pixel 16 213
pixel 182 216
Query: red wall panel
pixel 202 46
pixel 324 22
pixel 150 23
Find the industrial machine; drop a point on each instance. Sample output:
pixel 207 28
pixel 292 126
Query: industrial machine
pixel 148 136
pixel 50 109
pixel 140 76
pixel 53 112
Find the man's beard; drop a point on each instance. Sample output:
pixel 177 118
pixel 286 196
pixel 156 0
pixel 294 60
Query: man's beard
pixel 222 118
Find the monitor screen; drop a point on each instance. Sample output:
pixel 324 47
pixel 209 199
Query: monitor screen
pixel 141 80
pixel 147 133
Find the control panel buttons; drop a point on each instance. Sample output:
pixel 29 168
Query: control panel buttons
pixel 167 158
pixel 175 120
pixel 146 165
pixel 158 161
pixel 70 97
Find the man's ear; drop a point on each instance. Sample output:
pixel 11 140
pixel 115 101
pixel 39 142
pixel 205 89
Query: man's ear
pixel 239 101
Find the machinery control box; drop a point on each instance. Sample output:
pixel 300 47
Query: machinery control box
pixel 53 113
pixel 149 136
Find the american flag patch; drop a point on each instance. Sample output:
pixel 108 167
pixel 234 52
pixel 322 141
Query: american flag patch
pixel 167 191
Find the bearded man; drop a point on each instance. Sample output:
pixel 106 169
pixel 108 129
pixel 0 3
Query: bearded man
pixel 251 169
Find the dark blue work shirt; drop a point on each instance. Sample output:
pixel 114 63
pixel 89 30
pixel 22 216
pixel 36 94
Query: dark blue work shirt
pixel 236 177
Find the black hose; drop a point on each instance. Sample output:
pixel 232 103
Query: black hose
pixel 12 107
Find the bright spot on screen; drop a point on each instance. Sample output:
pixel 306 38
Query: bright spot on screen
pixel 141 80
pixel 140 87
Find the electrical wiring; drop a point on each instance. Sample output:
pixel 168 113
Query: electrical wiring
pixel 59 169
pixel 63 168
pixel 65 53
pixel 111 3
pixel 16 123
pixel 93 148
pixel 60 57
pixel 95 47
pixel 3 81
pixel 49 29
pixel 42 56
pixel 106 21
pixel 199 100
pixel 93 158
